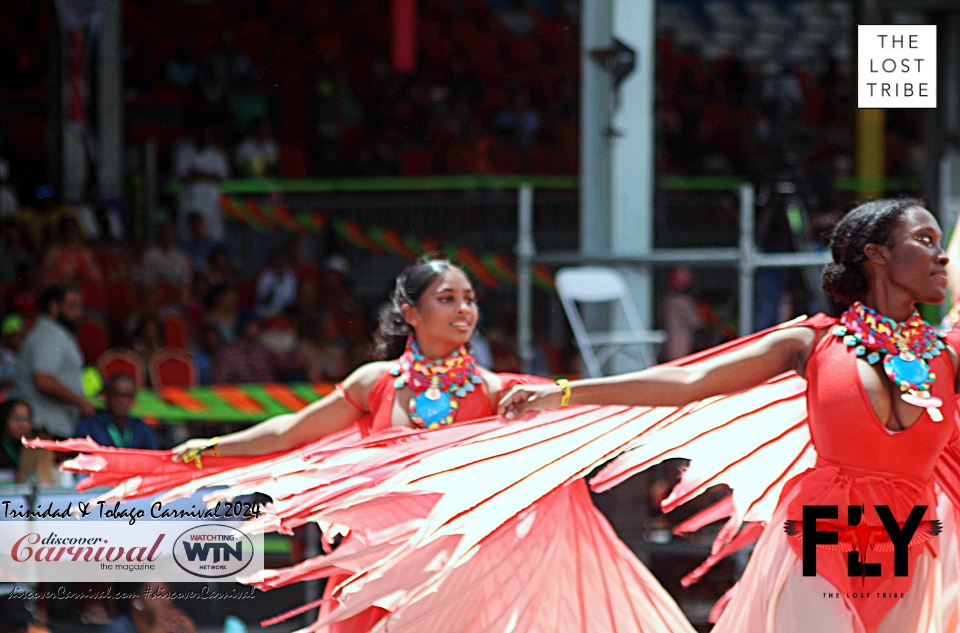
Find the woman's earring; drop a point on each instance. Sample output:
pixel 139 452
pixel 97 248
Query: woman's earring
pixel 138 605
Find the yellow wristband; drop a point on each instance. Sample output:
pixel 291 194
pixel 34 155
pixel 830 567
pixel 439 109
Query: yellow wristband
pixel 564 384
pixel 212 447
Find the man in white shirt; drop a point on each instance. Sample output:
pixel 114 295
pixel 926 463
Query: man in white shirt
pixel 201 167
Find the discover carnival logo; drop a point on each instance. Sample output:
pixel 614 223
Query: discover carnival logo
pixel 213 551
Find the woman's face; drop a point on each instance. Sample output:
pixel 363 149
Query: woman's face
pixel 446 313
pixel 917 261
pixel 18 424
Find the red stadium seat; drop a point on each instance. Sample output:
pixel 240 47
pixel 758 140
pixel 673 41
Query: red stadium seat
pixel 416 161
pixel 93 338
pixel 176 333
pixel 118 360
pixel 92 293
pixel 172 368
pixel 122 296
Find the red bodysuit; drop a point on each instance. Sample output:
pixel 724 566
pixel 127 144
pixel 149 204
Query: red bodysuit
pixel 861 462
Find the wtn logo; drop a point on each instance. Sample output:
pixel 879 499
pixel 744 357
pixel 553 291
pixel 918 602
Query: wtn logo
pixel 214 551
pixel 201 550
pixel 857 538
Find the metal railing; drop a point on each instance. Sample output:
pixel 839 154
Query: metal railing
pixel 746 258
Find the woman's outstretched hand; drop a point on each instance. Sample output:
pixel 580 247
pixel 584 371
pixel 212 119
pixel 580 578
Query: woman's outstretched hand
pixel 523 398
pixel 190 450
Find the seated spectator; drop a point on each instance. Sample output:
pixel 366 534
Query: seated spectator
pixel 318 358
pixel 18 463
pixel 303 266
pixel 209 344
pixel 345 316
pixel 148 339
pixel 164 262
pixel 147 308
pixel 15 424
pixel 522 120
pixel 221 305
pixel 198 244
pixel 70 259
pixel 151 610
pixel 113 425
pixel 15 252
pixel 247 359
pixel 258 154
pixel 183 69
pixel 12 333
pixel 219 269
pixel 277 285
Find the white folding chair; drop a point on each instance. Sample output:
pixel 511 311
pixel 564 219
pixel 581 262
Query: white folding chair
pixel 599 285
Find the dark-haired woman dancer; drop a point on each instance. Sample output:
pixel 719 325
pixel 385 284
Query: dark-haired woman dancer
pixel 880 394
pixel 474 527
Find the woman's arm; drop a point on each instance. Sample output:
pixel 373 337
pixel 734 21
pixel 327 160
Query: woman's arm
pixel 771 356
pixel 328 415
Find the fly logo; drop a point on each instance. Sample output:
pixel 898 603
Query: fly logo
pixel 857 538
pixel 213 551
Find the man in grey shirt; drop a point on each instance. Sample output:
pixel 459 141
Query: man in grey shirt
pixel 50 365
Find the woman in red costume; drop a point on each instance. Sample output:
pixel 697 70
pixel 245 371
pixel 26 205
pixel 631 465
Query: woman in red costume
pixel 880 430
pixel 450 527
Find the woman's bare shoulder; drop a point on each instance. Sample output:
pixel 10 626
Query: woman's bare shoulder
pixel 365 375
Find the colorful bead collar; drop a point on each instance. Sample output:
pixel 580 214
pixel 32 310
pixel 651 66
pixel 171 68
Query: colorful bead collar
pixel 436 382
pixel 904 348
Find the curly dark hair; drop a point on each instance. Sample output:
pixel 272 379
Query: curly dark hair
pixel 870 223
pixel 392 330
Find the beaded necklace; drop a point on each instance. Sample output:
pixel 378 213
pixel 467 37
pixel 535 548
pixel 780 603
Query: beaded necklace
pixel 438 382
pixel 903 347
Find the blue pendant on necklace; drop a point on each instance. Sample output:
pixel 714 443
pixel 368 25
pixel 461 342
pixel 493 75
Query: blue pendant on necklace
pixel 432 406
pixel 908 368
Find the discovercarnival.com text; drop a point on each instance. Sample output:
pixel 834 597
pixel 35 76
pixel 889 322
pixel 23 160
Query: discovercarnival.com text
pixel 149 591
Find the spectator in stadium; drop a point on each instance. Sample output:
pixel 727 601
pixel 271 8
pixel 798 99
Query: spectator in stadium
pixel 147 308
pixel 164 262
pixel 258 154
pixel 521 119
pixel 200 166
pixel 198 245
pixel 12 333
pixel 50 364
pixel 209 344
pixel 113 425
pixel 69 260
pixel 277 285
pixel 247 359
pixel 221 305
pixel 15 424
pixel 218 267
pixel 15 252
pixel 148 339
pixel 681 317
pixel 183 69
